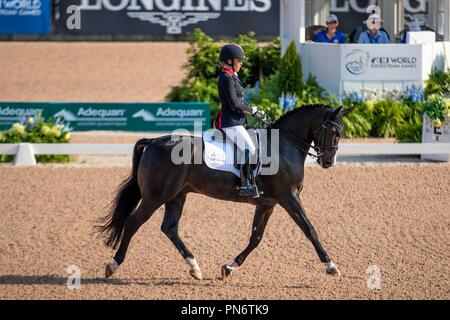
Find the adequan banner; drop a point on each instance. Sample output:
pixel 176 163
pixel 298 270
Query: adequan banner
pixel 160 117
pixel 24 16
pixel 171 17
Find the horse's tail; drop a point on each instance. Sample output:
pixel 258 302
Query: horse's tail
pixel 111 226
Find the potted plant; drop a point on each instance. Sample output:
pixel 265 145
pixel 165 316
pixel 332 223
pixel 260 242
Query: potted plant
pixel 436 123
pixel 36 129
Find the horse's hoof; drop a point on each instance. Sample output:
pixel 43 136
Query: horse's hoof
pixel 110 268
pixel 225 272
pixel 196 274
pixel 108 271
pixel 332 269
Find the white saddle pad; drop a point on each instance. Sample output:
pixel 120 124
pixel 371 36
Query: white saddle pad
pixel 219 152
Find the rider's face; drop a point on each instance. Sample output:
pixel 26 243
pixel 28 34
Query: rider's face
pixel 238 64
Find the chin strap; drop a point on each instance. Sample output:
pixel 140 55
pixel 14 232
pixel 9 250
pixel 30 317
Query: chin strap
pixel 229 67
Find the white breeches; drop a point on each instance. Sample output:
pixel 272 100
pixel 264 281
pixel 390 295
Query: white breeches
pixel 241 138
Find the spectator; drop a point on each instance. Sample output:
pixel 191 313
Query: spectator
pixel 331 34
pixel 373 34
pixel 356 33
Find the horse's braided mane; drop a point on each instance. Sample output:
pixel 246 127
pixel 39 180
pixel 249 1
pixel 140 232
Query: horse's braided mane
pixel 304 107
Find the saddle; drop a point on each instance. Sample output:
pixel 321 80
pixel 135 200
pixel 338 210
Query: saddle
pixel 220 153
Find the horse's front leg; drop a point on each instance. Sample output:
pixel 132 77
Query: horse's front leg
pixel 262 215
pixel 292 204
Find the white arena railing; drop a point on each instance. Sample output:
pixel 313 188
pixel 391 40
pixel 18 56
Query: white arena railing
pixel 25 152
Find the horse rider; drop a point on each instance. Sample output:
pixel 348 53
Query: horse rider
pixel 231 117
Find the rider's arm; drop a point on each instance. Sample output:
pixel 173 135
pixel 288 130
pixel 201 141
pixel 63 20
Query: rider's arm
pixel 234 102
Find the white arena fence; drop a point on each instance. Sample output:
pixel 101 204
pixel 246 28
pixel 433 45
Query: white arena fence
pixel 25 152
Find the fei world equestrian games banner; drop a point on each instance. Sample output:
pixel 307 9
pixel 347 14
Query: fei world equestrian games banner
pixel 24 16
pixel 112 116
pixel 170 17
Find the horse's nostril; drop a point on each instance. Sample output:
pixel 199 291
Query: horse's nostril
pixel 328 162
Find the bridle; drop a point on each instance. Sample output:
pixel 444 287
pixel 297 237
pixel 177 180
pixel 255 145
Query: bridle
pixel 321 131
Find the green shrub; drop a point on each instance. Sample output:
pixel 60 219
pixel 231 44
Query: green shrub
pixel 357 122
pixel 270 90
pixel 203 57
pixel 199 90
pixel 313 93
pixel 37 130
pixel 249 73
pixel 269 57
pixel 411 130
pixel 355 125
pixel 387 116
pixel 438 82
pixel 290 72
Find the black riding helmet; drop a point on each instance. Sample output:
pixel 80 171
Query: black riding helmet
pixel 230 52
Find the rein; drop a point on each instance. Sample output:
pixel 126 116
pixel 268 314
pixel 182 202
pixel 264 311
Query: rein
pixel 322 130
pixel 296 141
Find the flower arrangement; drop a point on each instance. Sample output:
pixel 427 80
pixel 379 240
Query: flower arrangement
pixel 38 130
pixel 287 102
pixel 414 94
pixel 437 108
pixel 384 113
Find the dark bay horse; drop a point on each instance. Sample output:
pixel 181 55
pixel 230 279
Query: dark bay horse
pixel 155 181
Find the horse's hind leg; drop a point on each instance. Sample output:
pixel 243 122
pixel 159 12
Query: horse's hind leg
pixel 174 209
pixel 140 215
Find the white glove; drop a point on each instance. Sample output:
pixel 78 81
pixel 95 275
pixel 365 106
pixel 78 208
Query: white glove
pixel 260 114
pixel 254 109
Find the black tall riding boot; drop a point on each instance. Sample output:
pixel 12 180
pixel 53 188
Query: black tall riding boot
pixel 247 188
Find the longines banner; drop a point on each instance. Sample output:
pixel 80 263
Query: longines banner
pixel 170 17
pixel 112 116
pixel 378 62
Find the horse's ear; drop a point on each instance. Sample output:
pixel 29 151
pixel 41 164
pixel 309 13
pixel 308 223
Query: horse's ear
pixel 336 112
pixel 346 111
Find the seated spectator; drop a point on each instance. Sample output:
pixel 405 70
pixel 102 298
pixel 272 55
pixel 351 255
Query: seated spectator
pixel 331 34
pixel 373 34
pixel 356 33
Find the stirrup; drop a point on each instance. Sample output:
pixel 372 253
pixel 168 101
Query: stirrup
pixel 249 190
